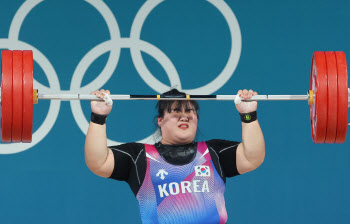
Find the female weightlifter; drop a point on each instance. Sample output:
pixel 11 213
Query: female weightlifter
pixel 176 180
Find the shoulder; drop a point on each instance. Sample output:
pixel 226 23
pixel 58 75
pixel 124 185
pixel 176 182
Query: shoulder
pixel 220 145
pixel 127 158
pixel 225 152
pixel 132 149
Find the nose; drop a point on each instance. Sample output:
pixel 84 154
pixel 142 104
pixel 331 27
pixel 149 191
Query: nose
pixel 183 116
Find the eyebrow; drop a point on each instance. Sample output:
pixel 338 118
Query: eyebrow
pixel 186 110
pixel 183 108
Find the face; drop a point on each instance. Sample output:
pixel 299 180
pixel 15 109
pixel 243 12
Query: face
pixel 178 126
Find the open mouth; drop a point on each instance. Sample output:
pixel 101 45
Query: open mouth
pixel 183 126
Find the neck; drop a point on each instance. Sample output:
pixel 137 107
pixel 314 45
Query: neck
pixel 165 142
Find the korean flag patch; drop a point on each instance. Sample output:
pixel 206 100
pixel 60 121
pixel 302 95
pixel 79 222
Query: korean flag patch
pixel 202 171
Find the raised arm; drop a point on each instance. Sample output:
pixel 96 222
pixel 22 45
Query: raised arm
pixel 251 152
pixel 98 157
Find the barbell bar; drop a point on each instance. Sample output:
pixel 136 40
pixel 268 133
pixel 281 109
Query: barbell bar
pixel 68 97
pixel 328 97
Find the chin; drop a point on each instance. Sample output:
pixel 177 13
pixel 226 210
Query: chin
pixel 185 139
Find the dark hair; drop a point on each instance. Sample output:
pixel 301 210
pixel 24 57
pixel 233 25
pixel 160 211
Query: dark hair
pixel 166 105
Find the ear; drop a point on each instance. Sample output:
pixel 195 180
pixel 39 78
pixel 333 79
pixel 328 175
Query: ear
pixel 160 121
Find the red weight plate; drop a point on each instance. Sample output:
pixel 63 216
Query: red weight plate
pixel 332 99
pixel 342 97
pixel 318 111
pixel 27 96
pixel 6 96
pixel 17 80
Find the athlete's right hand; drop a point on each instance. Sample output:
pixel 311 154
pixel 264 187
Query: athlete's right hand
pixel 100 107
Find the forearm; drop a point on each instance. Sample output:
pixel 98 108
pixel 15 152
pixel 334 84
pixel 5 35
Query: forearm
pixel 96 150
pixel 253 143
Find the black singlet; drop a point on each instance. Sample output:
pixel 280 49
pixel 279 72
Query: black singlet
pixel 130 159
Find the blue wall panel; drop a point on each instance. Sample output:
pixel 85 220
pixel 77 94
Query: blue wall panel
pixel 144 47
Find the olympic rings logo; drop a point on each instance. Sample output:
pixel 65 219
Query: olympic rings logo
pixel 114 46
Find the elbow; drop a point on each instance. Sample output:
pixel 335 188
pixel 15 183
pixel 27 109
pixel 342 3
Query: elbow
pixel 91 166
pixel 261 157
pixel 97 170
pixel 258 161
pixel 256 165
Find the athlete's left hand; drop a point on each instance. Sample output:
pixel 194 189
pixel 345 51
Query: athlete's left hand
pixel 249 106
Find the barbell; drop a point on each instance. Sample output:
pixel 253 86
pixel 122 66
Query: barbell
pixel 328 97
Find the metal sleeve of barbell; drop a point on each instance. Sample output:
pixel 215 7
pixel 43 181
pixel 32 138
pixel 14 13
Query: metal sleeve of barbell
pixel 65 97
